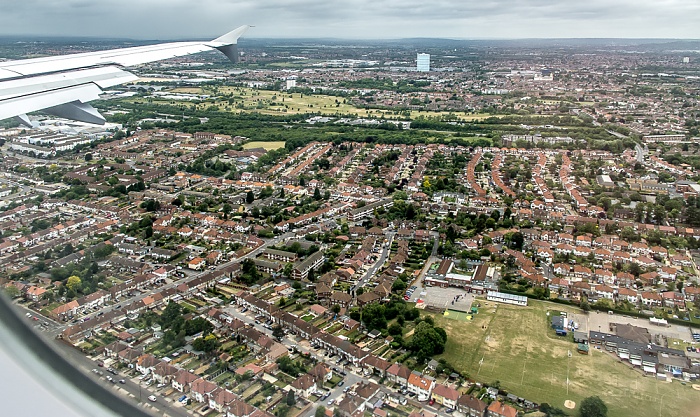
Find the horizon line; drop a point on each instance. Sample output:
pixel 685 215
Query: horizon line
pixel 321 38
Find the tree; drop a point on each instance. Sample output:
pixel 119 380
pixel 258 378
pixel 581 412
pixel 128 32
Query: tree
pixel 593 407
pixel 552 411
pixel 291 399
pixel 395 329
pixel 226 208
pixel 73 282
pixel 317 194
pixel 12 291
pixel 249 197
pixel 373 316
pixel 320 411
pixel 282 410
pixel 428 340
pixel 278 333
pixel 150 205
pixel 205 344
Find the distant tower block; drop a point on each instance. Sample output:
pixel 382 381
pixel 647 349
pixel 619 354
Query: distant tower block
pixel 423 62
pixel 291 83
pixel 686 59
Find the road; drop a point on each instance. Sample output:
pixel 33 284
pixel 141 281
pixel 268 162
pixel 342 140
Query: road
pixel 131 386
pixel 350 379
pixel 641 152
pixel 59 327
pixel 380 262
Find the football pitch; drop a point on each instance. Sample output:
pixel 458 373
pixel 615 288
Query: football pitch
pixel 516 347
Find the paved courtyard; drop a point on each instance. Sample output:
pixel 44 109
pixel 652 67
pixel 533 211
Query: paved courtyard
pixel 600 321
pixel 451 298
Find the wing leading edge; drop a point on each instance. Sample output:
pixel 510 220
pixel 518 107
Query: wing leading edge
pixel 62 85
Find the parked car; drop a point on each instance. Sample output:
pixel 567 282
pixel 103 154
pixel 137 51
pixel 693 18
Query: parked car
pixel 152 398
pixel 121 381
pixel 340 384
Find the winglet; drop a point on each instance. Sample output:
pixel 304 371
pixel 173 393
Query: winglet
pixel 231 37
pixel 227 43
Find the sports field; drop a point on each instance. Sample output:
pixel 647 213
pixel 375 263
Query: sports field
pixel 268 146
pixel 516 346
pixel 457 315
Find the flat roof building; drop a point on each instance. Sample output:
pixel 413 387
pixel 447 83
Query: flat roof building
pixel 423 62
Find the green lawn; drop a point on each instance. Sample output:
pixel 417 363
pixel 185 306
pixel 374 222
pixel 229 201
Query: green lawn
pixel 515 345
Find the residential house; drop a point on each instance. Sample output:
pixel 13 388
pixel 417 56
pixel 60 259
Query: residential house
pixel 446 396
pixel 220 398
pixel 499 409
pixel 201 389
pixel 421 385
pixel 146 363
pixel 304 386
pixel 471 406
pixel 182 380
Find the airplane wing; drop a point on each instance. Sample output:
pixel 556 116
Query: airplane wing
pixel 62 85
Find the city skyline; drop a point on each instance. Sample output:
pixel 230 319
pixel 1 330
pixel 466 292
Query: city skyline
pixel 496 19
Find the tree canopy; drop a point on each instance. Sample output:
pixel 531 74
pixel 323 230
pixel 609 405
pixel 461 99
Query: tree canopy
pixel 593 407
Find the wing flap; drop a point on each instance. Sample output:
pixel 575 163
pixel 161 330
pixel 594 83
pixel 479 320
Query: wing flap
pixel 42 100
pixel 103 77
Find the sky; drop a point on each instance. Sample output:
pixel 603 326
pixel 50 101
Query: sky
pixel 353 19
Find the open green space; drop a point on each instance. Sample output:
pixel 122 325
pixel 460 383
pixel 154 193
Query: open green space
pixel 516 346
pixel 277 102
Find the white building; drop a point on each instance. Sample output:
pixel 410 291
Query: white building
pixel 423 62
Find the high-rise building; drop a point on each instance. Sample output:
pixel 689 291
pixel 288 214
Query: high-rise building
pixel 423 62
pixel 686 59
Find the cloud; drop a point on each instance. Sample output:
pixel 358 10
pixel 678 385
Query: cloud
pixel 367 19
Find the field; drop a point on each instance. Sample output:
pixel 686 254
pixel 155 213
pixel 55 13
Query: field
pixel 276 102
pixel 268 146
pixel 515 345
